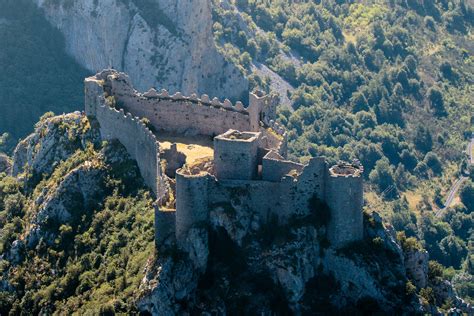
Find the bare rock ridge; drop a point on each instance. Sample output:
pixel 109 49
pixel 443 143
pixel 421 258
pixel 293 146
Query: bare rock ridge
pixel 158 43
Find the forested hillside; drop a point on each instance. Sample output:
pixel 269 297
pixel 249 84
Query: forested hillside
pixel 387 82
pixel 36 74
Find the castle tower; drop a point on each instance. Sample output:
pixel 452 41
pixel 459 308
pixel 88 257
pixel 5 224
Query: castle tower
pixel 191 201
pixel 235 155
pixel 262 107
pixel 344 196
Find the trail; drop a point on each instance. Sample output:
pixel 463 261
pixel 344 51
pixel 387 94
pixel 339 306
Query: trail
pixel 458 183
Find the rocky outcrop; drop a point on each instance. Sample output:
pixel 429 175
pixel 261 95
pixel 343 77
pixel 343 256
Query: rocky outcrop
pixel 159 43
pixel 54 140
pixel 416 262
pixel 167 282
pixel 79 191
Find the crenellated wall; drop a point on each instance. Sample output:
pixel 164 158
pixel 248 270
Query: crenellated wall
pixel 139 141
pixel 180 114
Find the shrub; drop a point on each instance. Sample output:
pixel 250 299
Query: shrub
pixel 410 289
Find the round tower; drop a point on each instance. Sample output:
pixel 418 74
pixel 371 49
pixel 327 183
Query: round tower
pixel 191 201
pixel 344 196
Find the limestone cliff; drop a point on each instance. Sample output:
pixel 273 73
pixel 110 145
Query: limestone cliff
pixel 159 43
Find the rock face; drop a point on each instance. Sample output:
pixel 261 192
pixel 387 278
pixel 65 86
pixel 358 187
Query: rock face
pixel 161 43
pixel 54 140
pixel 416 263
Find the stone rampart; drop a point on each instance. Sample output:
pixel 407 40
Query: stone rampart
pixel 260 198
pixel 165 226
pixel 180 114
pixel 139 141
pixel 311 182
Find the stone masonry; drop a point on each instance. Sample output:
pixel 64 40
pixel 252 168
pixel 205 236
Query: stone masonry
pixel 248 168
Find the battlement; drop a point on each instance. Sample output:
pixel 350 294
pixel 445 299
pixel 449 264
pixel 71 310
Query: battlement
pixel 204 100
pixel 136 137
pixel 178 113
pixel 344 169
pixel 241 160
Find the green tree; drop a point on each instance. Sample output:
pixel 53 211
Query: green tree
pixel 454 250
pixel 435 96
pixel 423 139
pixel 467 196
pixel 433 162
pixel 383 177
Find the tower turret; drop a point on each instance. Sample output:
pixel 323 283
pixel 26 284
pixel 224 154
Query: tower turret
pixel 191 201
pixel 344 196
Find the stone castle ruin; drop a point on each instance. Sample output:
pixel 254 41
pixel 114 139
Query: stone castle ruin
pixel 203 158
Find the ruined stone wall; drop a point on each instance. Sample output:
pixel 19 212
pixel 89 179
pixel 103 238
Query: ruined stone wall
pixel 274 167
pixel 139 141
pixel 344 196
pixel 274 137
pixel 310 182
pixel 192 203
pixel 165 226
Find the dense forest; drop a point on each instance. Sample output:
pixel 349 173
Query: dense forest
pixel 385 82
pixel 37 75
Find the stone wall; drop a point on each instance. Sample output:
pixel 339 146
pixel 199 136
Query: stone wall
pixel 165 226
pixel 274 167
pixel 261 198
pixel 344 196
pixel 139 141
pixel 180 114
pixel 311 182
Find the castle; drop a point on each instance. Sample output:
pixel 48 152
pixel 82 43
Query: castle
pixel 232 156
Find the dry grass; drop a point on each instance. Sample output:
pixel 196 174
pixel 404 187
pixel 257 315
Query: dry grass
pixel 413 198
pixel 195 148
pixel 349 37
